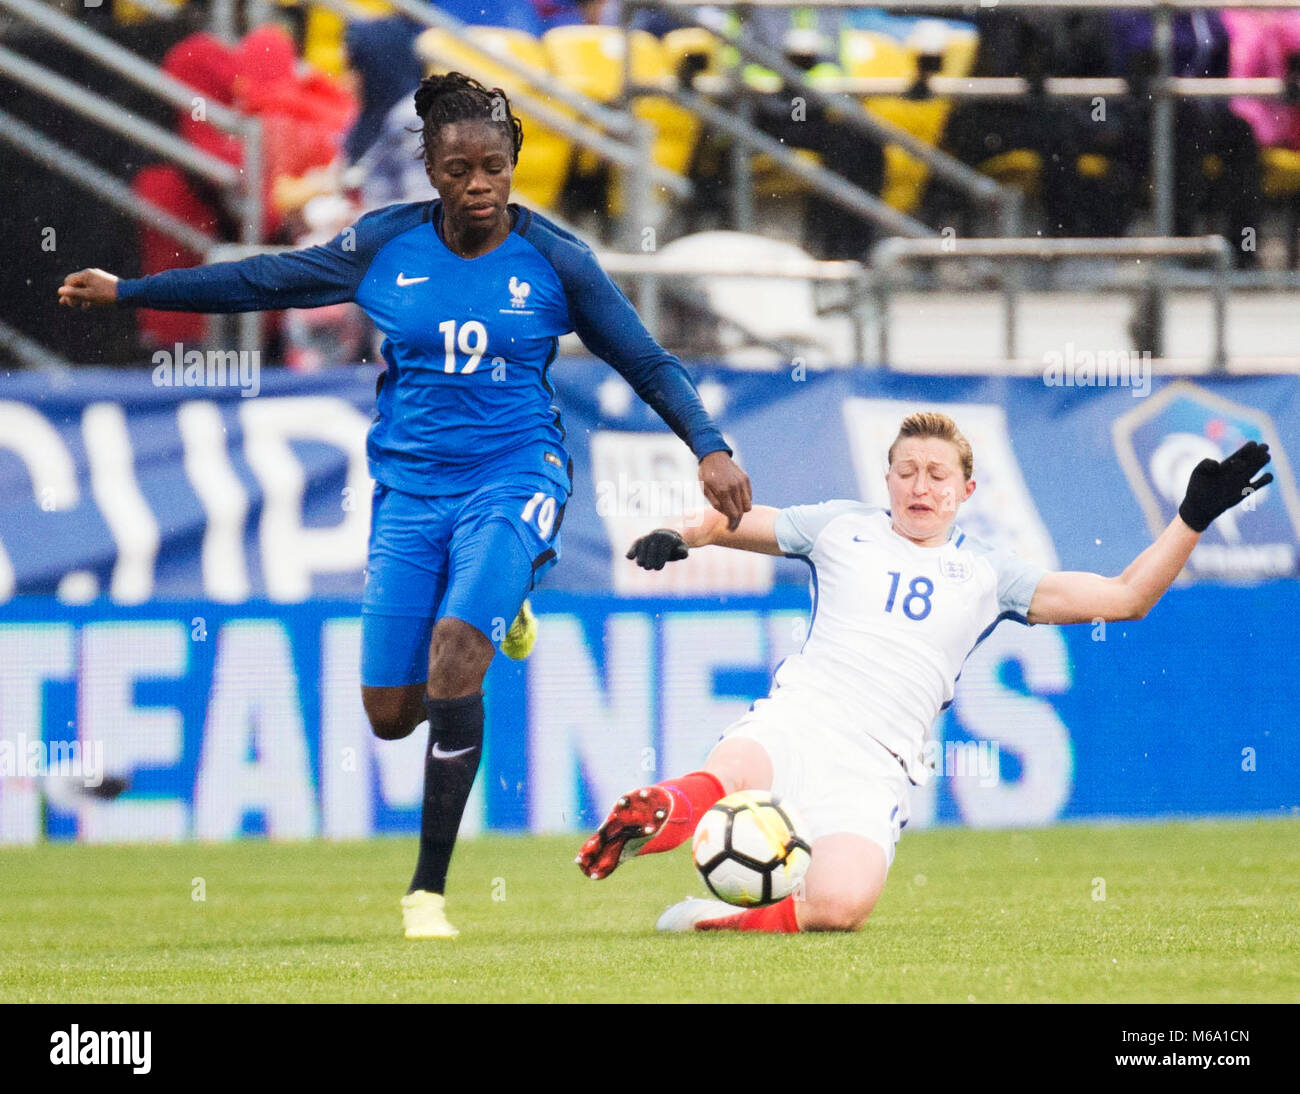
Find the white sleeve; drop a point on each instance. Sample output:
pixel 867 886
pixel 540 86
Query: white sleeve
pixel 1017 580
pixel 798 527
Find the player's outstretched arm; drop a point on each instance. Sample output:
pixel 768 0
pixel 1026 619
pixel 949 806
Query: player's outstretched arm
pixel 756 531
pixel 1215 487
pixel 88 289
pixel 328 273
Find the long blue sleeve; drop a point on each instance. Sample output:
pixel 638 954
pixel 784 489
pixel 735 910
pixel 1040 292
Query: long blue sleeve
pixel 310 278
pixel 609 326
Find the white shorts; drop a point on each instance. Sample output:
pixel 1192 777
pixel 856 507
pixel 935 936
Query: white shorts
pixel 837 783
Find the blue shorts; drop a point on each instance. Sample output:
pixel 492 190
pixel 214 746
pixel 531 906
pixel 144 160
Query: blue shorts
pixel 471 556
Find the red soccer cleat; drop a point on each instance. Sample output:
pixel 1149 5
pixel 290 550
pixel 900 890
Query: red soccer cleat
pixel 633 822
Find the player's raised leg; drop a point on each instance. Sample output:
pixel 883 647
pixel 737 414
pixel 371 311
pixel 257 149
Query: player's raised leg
pixel 840 890
pixel 660 817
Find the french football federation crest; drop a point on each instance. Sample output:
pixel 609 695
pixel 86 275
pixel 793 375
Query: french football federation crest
pixel 1159 443
pixel 519 291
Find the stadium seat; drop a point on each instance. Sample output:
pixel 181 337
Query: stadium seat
pixel 322 46
pixel 867 54
pixel 1021 168
pixel 693 42
pixel 543 168
pixel 1281 182
pixel 126 13
pixel 590 59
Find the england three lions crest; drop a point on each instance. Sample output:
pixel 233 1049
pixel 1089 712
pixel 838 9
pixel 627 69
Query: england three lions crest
pixel 956 568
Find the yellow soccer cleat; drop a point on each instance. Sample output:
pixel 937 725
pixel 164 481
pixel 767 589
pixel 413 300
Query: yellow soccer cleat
pixel 522 635
pixel 425 915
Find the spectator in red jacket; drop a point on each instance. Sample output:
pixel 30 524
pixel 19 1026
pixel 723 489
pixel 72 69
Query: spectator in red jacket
pixel 304 116
pixel 209 66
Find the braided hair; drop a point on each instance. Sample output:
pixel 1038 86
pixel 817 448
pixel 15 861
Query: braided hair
pixel 454 97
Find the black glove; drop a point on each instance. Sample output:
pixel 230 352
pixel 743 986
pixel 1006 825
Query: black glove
pixel 660 547
pixel 1216 486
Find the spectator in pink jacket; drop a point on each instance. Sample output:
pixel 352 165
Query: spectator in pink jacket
pixel 1261 44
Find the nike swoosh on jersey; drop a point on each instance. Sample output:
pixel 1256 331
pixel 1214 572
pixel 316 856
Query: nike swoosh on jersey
pixel 439 753
pixel 403 280
pixel 860 539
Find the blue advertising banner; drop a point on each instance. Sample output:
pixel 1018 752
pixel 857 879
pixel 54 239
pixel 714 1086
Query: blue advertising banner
pixel 227 721
pixel 111 484
pixel 180 569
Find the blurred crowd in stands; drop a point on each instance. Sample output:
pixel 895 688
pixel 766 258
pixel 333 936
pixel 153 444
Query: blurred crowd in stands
pixel 338 133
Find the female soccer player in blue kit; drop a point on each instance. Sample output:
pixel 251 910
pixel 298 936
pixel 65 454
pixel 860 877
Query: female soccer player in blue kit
pixel 467 452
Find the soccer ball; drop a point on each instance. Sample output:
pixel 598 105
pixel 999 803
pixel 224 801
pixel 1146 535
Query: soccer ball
pixel 748 849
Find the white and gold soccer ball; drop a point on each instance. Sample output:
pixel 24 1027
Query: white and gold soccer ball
pixel 748 849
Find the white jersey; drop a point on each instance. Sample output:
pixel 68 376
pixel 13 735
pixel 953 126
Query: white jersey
pixel 892 623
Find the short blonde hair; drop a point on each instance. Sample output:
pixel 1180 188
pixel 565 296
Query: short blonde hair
pixel 930 423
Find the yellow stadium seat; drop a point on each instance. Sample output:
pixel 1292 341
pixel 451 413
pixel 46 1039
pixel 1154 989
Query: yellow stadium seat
pixel 540 175
pixel 1091 165
pixel 590 59
pixel 1281 182
pixel 868 54
pixel 1281 172
pixel 688 41
pixel 443 51
pixel 1021 167
pixel 543 167
pixel 959 54
pixel 126 13
pixel 322 45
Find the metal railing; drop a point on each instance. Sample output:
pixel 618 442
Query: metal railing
pixel 245 183
pixel 891 252
pixel 1005 201
pixel 1163 86
pixel 652 270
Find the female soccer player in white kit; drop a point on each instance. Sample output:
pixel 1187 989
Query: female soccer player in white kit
pixel 901 596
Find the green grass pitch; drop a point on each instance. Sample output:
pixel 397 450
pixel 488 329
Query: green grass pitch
pixel 1192 912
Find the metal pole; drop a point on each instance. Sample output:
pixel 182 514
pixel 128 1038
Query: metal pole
pixel 742 175
pixel 1222 271
pixel 887 253
pixel 858 312
pixel 108 53
pixel 832 186
pixel 221 20
pixel 257 12
pixel 967 179
pixel 883 256
pixel 112 116
pixel 31 354
pixel 1162 163
pixel 100 183
pixel 250 227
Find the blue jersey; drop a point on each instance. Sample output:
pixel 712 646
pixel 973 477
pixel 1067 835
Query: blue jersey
pixel 468 342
